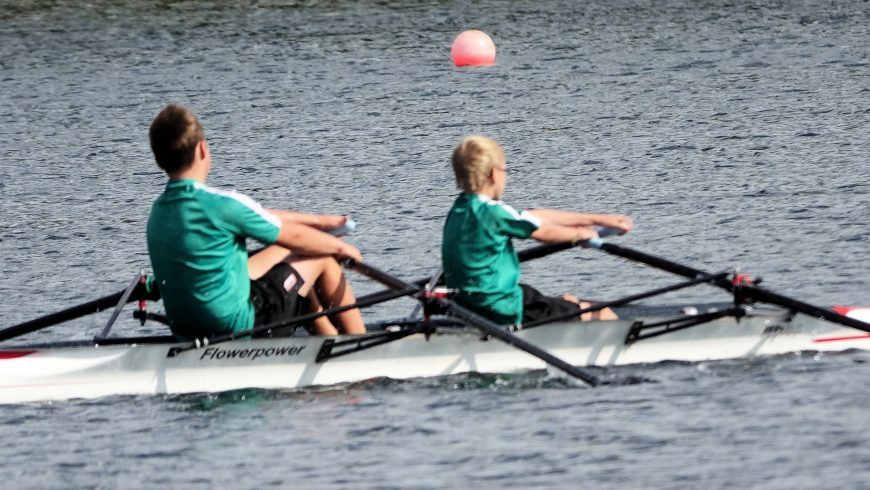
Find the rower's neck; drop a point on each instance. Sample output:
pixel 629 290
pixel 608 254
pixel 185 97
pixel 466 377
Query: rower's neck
pixel 198 169
pixel 190 173
pixel 491 192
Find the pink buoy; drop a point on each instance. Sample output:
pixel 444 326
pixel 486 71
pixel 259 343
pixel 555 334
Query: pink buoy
pixel 473 48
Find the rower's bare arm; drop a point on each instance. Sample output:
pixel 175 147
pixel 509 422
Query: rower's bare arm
pixel 568 218
pixel 305 240
pixel 324 222
pixel 552 233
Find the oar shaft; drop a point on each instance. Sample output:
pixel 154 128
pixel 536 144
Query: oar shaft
pixel 545 249
pixel 749 291
pixel 475 320
pixel 659 263
pixel 530 253
pixel 369 300
pixel 498 332
pixel 61 316
pixel 377 294
pixel 539 251
pixel 623 301
pixel 767 296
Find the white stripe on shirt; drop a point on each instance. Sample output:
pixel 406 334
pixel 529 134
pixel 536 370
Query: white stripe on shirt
pixel 245 201
pixel 525 215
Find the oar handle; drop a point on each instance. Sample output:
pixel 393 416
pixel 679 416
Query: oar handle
pixel 348 227
pixel 603 232
pixel 606 231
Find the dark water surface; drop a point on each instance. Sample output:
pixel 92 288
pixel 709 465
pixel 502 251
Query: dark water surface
pixel 735 132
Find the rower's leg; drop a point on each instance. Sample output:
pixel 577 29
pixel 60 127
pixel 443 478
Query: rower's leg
pixel 262 261
pixel 324 278
pixel 321 325
pixel 604 314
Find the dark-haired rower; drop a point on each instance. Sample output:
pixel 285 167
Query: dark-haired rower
pixel 196 241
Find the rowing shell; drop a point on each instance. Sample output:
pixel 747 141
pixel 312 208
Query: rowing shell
pixel 147 366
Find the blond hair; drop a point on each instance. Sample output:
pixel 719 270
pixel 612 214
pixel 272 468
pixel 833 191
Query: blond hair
pixel 473 160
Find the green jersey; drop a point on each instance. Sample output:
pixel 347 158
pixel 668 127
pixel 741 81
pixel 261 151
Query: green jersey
pixel 478 256
pixel 196 241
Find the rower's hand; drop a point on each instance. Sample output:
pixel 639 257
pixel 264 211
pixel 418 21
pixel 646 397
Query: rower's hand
pixel 584 233
pixel 347 225
pixel 620 222
pixel 332 221
pixel 348 251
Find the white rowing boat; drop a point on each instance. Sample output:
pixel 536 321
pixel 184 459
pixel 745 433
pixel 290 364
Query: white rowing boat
pixel 141 367
pixel 455 343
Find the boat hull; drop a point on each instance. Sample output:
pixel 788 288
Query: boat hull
pixel 52 373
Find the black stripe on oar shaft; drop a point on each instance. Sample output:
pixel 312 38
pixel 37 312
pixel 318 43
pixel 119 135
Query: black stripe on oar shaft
pixel 625 300
pixel 486 326
pixel 748 291
pixel 61 316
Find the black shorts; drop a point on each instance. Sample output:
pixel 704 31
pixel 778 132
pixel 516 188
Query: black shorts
pixel 537 306
pixel 276 299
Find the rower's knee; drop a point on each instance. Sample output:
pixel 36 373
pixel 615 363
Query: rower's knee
pixel 603 314
pixel 354 329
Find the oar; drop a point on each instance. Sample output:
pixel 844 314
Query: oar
pixel 530 253
pixel 745 290
pixel 62 316
pixel 106 302
pixel 371 299
pixel 624 300
pixel 475 320
pixel 551 248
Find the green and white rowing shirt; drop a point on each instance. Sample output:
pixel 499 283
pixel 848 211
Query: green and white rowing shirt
pixel 478 256
pixel 196 240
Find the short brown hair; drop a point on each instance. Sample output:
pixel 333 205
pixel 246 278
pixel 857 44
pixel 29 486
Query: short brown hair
pixel 174 134
pixel 473 160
